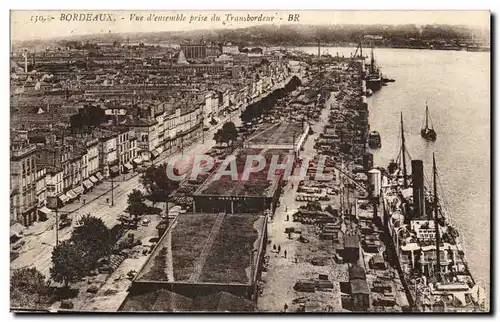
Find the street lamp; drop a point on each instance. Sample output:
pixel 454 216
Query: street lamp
pixel 112 187
pixel 52 204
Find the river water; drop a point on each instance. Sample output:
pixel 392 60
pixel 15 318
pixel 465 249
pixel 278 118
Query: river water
pixel 456 86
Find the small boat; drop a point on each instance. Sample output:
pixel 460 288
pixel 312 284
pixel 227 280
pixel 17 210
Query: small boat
pixel 428 132
pixel 374 141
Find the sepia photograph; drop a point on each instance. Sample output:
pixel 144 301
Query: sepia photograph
pixel 295 161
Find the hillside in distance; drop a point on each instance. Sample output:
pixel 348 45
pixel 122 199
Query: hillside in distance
pixel 297 35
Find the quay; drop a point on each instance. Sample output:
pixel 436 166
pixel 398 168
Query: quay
pixel 214 243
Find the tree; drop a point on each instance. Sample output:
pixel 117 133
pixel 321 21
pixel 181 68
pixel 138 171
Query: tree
pixel 231 132
pixel 28 288
pixel 69 262
pixel 136 206
pixel 87 117
pixel 227 134
pixel 157 183
pixel 94 236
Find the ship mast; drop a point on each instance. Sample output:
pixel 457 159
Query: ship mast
pixel 426 116
pixel 436 224
pixel 403 151
pixel 372 66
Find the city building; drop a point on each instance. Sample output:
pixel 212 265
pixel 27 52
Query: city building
pixel 127 149
pixel 108 154
pixel 194 51
pixel 23 192
pixel 146 132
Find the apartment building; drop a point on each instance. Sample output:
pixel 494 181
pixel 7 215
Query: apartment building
pixel 108 153
pixel 23 192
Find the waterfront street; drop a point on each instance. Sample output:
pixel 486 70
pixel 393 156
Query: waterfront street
pixel 40 239
pixel 283 272
pixel 251 169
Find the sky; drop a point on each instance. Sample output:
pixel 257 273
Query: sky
pixel 24 26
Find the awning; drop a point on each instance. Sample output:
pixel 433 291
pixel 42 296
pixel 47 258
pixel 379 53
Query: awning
pixel 155 153
pixel 93 179
pixel 71 195
pixel 114 169
pixel 128 166
pixel 99 176
pixel 45 210
pixel 78 190
pixel 63 198
pixel 137 160
pixel 88 184
pixel 146 156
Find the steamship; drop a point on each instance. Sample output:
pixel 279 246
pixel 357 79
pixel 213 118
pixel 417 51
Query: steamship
pixel 374 78
pixel 426 244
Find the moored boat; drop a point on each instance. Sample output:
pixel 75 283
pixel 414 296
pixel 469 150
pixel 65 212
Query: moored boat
pixel 428 132
pixel 427 245
pixel 374 78
pixel 374 141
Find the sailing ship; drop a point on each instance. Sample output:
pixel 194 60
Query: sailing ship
pixel 427 132
pixel 426 244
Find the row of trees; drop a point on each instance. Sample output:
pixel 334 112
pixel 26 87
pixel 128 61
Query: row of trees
pixel 256 109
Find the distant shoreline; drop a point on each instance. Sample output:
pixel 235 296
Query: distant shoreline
pixel 350 45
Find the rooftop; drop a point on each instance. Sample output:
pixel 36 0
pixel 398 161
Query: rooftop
pixel 166 301
pixel 257 184
pixel 279 133
pixel 206 248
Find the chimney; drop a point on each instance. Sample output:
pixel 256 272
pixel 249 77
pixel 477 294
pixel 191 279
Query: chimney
pixel 26 61
pixel 417 169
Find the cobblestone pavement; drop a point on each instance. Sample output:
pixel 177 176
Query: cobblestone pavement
pixel 282 273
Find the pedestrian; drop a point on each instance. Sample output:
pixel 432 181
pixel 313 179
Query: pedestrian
pixel 285 253
pixel 285 307
pixel 286 208
pixel 287 217
pixel 107 200
pixel 274 247
pixel 279 249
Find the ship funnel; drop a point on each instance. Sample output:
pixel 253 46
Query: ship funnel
pixel 375 182
pixel 417 169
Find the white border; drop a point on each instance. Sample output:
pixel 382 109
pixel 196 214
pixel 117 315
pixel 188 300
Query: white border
pixel 191 5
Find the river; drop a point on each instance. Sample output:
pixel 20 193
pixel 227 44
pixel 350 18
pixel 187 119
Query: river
pixel 456 86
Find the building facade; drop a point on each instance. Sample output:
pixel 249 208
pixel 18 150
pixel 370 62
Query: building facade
pixel 195 51
pixel 23 192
